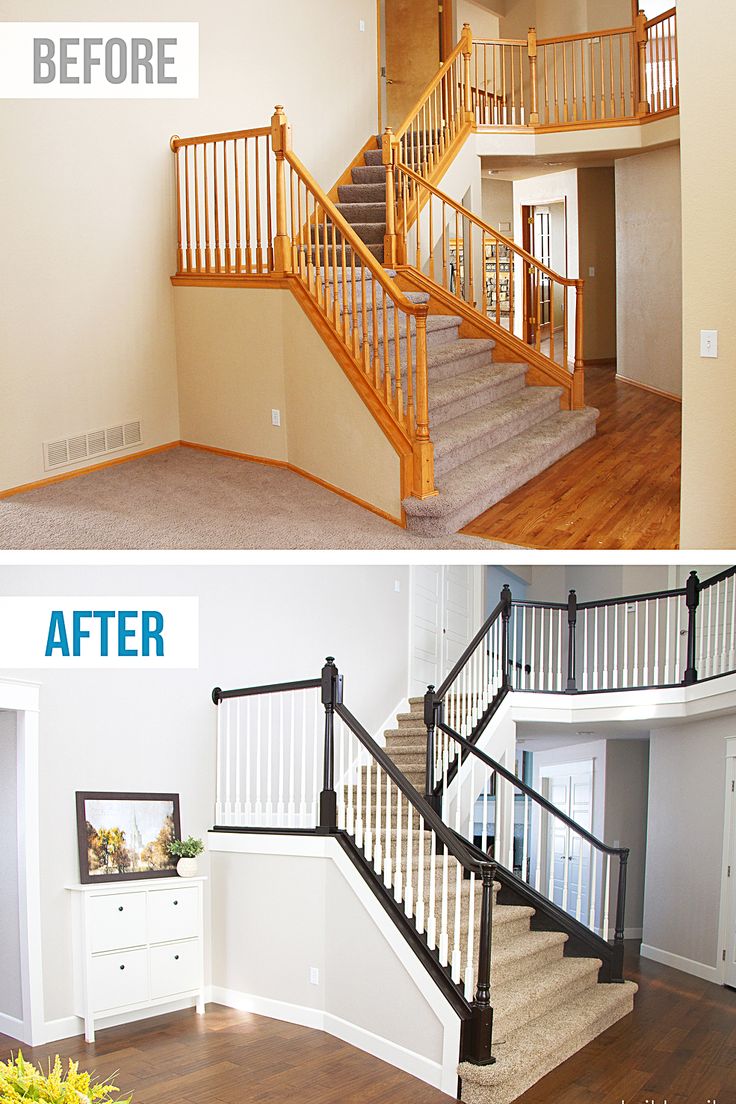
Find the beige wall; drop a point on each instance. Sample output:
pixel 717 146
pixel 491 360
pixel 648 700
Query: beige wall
pixel 482 18
pixel 551 17
pixel 597 212
pixel 627 783
pixel 86 216
pixel 649 260
pixel 708 91
pixel 498 204
pixel 243 353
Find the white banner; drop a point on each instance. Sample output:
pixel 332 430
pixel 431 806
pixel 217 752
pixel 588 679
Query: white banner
pixel 100 631
pixel 96 61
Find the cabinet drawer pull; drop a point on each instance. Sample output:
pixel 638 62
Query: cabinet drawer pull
pixel 176 958
pixel 122 967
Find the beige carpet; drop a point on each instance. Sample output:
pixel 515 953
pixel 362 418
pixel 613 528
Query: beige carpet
pixel 189 499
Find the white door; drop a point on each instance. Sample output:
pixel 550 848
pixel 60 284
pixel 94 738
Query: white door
pixel 445 612
pixel 570 789
pixel 729 976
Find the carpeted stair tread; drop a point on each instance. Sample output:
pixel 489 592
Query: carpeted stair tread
pixel 470 489
pixel 358 192
pixel 361 212
pixel 491 425
pixel 457 395
pixel 370 174
pixel 469 346
pixel 529 997
pixel 532 1051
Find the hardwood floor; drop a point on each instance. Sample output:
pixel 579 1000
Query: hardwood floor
pixel 678 1046
pixel 621 490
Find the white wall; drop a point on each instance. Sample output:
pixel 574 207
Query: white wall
pixel 649 269
pixel 131 730
pixel 685 843
pixel 481 16
pixel 11 995
pixel 87 216
pixel 627 781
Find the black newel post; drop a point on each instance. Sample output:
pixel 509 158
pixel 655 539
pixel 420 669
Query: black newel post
pixel 572 623
pixel 430 707
pixel 331 696
pixel 618 935
pixel 692 597
pixel 480 1037
pixel 505 618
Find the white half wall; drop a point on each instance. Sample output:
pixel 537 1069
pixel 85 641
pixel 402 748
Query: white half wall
pixel 284 907
pixel 11 986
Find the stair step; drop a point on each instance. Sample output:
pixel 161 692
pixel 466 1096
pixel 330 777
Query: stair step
pixel 534 1049
pixel 374 157
pixel 470 489
pixel 363 193
pixel 466 355
pixel 370 174
pixel 488 427
pixel 457 395
pixel 538 994
pixel 361 213
pixel 524 956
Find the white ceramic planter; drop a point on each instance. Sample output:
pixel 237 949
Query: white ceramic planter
pixel 186 868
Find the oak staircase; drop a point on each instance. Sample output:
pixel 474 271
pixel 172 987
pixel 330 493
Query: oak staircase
pixel 478 392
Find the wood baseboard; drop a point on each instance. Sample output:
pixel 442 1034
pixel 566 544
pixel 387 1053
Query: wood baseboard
pixel 400 522
pixel 651 390
pixel 63 476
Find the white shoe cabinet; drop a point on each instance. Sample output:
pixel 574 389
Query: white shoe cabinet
pixel 137 945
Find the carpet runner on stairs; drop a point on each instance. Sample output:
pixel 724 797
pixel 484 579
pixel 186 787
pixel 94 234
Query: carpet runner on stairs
pixel 491 432
pixel 546 1006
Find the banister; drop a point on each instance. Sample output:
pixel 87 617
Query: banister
pixel 417 310
pixel 662 17
pixel 427 92
pixel 219 695
pixel 529 792
pixel 442 690
pixel 566 281
pixel 727 573
pixel 608 33
pixel 227 136
pixel 455 845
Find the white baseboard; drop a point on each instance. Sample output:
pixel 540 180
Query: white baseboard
pixel 408 1061
pixel 677 962
pixel 69 1026
pixel 15 1028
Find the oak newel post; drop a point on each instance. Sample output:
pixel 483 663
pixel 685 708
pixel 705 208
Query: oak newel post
pixel 641 36
pixel 532 50
pixel 578 382
pixel 467 37
pixel 389 241
pixel 280 143
pixel 423 448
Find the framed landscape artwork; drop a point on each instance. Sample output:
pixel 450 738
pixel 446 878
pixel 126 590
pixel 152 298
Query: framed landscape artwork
pixel 126 835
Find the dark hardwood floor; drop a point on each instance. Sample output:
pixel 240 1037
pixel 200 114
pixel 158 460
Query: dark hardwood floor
pixel 678 1046
pixel 620 490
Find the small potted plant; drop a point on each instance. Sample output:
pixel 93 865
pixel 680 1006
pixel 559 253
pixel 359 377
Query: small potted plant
pixel 20 1080
pixel 186 852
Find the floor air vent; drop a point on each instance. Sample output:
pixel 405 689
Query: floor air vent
pixel 85 446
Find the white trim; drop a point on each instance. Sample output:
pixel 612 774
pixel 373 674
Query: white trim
pixel 407 1060
pixel 725 920
pixel 10 1025
pixel 68 1027
pixel 677 962
pixel 390 721
pixel 327 847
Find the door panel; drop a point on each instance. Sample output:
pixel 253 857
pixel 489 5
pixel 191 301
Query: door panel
pixel 412 53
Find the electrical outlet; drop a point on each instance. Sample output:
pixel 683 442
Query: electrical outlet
pixel 591 271
pixel 362 25
pixel 397 586
pixel 276 417
pixel 313 975
pixel 709 344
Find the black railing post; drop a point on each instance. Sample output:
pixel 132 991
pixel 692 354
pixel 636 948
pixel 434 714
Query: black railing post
pixel 692 597
pixel 480 1027
pixel 572 624
pixel 430 712
pixel 618 935
pixel 506 598
pixel 331 696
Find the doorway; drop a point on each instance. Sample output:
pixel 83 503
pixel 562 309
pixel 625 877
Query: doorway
pixel 545 237
pixel 569 787
pixel 446 609
pixel 413 41
pixel 728 908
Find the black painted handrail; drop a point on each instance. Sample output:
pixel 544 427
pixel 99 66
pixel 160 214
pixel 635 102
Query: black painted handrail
pixel 219 695
pixel 442 690
pixel 471 749
pixel 721 577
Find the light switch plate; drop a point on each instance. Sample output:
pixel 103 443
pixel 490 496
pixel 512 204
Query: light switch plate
pixel 276 417
pixel 591 271
pixel 362 24
pixel 313 975
pixel 709 344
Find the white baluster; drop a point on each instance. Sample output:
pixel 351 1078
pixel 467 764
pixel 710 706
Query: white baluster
pixel 525 842
pixel 228 765
pixel 318 744
pixel 607 892
pixel 538 857
pixel 566 870
pixel 269 766
pixel 387 860
pixel 351 757
pixel 398 877
pixel 592 889
pixel 303 766
pixel 595 649
pixel 732 649
pixel 280 790
pixel 238 764
pixel 522 672
pixel 248 810
pixel 550 677
pixel 359 833
pixel 533 673
pixel 444 935
pixel 378 850
pixel 635 678
pixel 291 808
pixel 456 956
pixel 625 658
pixel 645 668
pixel 419 919
pixel 559 650
pixel 709 635
pixel 368 838
pixel 616 611
pixel 668 641
pixel 551 858
pixel 585 650
pixel 432 910
pixel 655 666
pixel 470 950
pixel 717 645
pixel 219 804
pixel 579 899
pixel 409 886
pixel 259 762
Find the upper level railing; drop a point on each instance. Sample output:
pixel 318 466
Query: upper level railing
pixel 594 79
pixel 247 208
pixel 292 756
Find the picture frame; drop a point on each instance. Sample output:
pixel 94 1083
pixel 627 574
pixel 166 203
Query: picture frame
pixel 124 836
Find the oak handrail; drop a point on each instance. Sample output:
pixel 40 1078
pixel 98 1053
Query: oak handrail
pixel 586 35
pixel 661 17
pixel 227 136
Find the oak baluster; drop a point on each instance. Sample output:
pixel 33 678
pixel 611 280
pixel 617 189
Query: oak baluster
pixel 399 401
pixel 386 362
pixel 248 237
pixel 187 205
pixel 198 243
pixel 269 205
pixel 376 360
pixel 259 245
pixel 226 196
pixel 238 243
pixel 179 249
pixel 364 319
pixel 218 261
